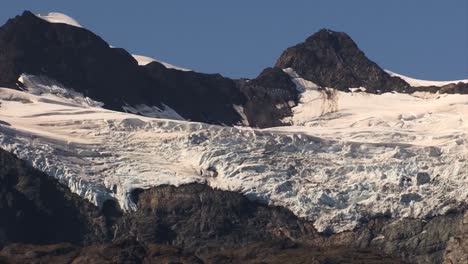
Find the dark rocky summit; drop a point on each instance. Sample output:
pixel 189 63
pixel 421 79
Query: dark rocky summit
pixel 73 56
pixel 332 59
pixel 42 222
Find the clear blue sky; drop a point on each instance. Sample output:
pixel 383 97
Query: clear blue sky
pixel 426 39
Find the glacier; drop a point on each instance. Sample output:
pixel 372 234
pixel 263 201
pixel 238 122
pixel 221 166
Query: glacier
pixel 346 156
pixel 336 166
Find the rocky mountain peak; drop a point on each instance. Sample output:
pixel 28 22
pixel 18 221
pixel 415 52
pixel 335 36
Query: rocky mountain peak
pixel 73 56
pixel 327 37
pixel 25 16
pixel 332 59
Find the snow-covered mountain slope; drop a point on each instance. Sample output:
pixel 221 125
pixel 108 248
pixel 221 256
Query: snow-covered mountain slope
pixel 391 154
pixel 59 18
pixel 418 83
pixel 144 60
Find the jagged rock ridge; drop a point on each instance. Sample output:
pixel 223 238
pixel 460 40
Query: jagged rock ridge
pixel 332 59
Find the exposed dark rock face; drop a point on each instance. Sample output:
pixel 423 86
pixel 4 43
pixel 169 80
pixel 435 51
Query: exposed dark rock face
pixel 265 100
pixel 120 252
pixel 37 209
pixel 423 178
pixel 197 224
pixel 79 59
pixel 332 59
pixel 452 88
pixel 197 96
pixel 457 246
pixel 271 96
pixel 197 217
pixel 75 57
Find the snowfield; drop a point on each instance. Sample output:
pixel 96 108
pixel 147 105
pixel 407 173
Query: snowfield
pixel 417 83
pixel 347 157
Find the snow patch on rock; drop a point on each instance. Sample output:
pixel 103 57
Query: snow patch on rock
pixel 144 60
pixel 311 96
pixel 59 18
pixel 240 110
pixel 153 111
pixel 417 83
pixel 44 85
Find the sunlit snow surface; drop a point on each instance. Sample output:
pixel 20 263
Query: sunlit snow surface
pixel 143 60
pixel 417 83
pixel 59 18
pixel 334 169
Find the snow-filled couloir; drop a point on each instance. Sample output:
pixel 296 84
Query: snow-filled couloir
pixel 348 156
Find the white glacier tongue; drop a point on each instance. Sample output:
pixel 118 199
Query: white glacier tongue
pixel 392 154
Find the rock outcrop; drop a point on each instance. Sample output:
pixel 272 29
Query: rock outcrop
pixel 332 59
pixel 452 88
pixel 271 96
pixel 210 98
pixel 36 209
